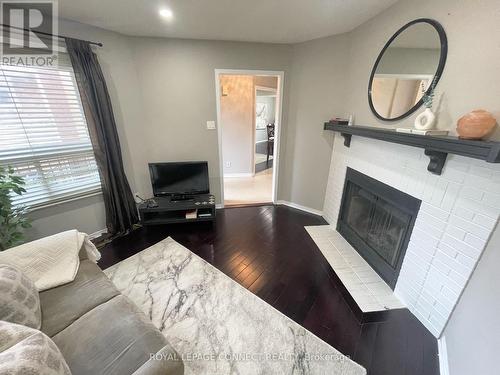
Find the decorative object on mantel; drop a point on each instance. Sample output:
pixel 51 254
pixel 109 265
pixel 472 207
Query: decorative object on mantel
pixel 435 132
pixel 426 120
pixel 436 148
pixel 476 125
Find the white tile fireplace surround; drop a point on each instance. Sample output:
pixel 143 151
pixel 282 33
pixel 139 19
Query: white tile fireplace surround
pixel 365 286
pixel 459 211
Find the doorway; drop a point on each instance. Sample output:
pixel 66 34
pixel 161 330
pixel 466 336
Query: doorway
pixel 248 117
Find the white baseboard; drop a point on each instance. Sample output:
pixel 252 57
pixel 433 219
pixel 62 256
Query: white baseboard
pixel 98 233
pixel 300 207
pixel 218 206
pixel 238 175
pixel 444 368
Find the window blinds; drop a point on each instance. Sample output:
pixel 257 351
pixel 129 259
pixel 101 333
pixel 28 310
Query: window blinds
pixel 44 135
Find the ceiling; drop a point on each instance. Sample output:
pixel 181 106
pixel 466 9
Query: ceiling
pixel 269 21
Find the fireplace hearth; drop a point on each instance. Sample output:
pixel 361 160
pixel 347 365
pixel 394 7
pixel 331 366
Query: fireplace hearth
pixel 377 220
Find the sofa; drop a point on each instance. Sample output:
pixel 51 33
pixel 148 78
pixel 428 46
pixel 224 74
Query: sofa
pixel 60 314
pixel 100 331
pixel 95 329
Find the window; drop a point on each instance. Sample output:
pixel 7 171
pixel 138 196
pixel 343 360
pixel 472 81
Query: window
pixel 44 135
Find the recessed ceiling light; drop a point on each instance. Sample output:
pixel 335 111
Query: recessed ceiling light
pixel 166 13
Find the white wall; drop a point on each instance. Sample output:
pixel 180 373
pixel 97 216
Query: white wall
pixel 86 215
pixel 472 335
pixel 470 79
pixel 177 85
pixel 237 111
pixel 317 91
pixel 330 77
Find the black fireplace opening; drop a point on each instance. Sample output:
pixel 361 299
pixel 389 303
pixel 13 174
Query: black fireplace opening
pixel 377 220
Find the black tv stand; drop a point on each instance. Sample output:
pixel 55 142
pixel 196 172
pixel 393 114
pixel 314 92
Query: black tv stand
pixel 169 210
pixel 181 197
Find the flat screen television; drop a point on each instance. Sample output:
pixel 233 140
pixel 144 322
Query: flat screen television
pixel 179 178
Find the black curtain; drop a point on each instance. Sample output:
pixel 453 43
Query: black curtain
pixel 121 212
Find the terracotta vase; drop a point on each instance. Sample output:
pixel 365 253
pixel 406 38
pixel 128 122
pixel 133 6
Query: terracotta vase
pixel 476 125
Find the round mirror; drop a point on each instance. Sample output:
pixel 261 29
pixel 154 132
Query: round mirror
pixel 409 65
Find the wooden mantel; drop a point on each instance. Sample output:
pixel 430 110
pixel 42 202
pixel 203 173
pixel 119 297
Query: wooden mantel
pixel 436 148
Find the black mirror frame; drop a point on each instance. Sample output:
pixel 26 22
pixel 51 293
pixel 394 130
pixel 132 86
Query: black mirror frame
pixel 437 76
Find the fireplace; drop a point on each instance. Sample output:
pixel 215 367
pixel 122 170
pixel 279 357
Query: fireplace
pixel 377 220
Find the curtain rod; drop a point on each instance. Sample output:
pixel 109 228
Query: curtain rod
pixel 99 44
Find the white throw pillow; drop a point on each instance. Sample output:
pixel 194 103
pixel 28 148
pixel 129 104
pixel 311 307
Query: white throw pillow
pixel 19 298
pixel 25 350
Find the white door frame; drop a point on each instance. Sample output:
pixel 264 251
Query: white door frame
pixel 277 136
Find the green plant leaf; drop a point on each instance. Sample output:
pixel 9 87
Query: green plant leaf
pixel 13 219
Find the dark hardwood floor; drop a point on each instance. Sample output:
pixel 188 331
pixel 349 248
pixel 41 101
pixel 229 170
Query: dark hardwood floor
pixel 267 250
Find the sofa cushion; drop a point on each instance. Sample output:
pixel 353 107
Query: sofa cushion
pixel 19 299
pixel 114 338
pixel 24 351
pixel 64 304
